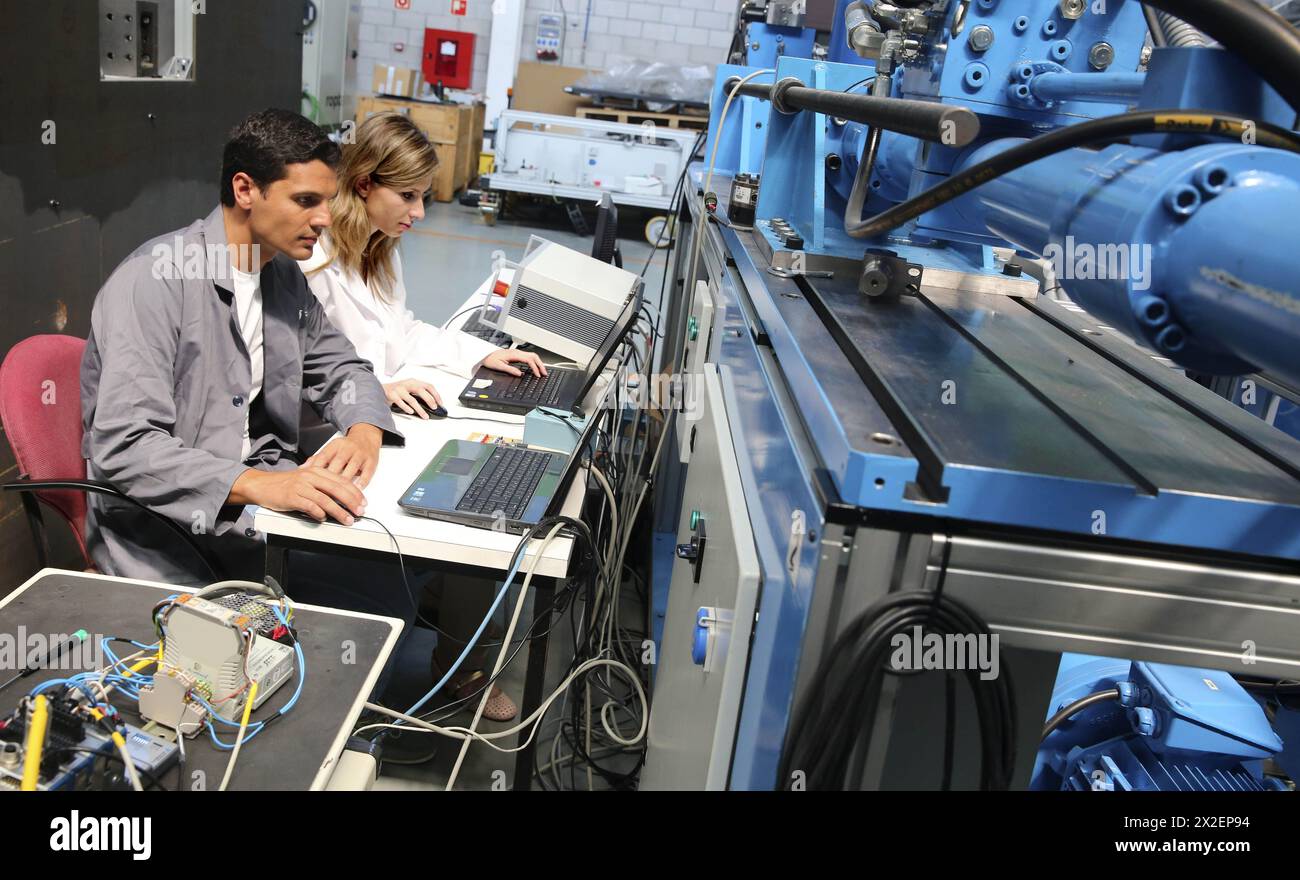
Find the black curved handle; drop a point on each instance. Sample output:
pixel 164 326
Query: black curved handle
pixel 100 487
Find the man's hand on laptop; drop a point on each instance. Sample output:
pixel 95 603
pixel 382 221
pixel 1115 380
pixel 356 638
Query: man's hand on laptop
pixel 503 360
pixel 311 490
pixel 353 457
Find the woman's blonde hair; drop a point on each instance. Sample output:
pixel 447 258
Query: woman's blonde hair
pixel 396 154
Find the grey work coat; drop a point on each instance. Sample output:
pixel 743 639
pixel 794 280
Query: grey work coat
pixel 164 392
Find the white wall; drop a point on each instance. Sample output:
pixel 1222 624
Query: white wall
pixel 674 31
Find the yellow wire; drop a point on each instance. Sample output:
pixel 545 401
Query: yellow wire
pixel 139 665
pixel 239 739
pixel 248 709
pixel 35 743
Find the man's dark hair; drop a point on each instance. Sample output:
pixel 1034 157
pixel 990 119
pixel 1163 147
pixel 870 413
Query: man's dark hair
pixel 265 142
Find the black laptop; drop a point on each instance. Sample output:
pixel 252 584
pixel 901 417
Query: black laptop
pixel 561 388
pixel 495 485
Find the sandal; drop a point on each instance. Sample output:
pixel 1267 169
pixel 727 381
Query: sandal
pixel 499 706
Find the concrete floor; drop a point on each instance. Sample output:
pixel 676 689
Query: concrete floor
pixel 444 259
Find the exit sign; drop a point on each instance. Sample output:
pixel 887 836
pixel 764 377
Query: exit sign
pixel 458 7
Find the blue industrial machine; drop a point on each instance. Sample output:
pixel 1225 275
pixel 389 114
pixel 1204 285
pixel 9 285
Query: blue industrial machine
pixel 949 356
pixel 771 29
pixel 1127 726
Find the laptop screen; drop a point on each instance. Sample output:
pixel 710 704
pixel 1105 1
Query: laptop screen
pixel 612 341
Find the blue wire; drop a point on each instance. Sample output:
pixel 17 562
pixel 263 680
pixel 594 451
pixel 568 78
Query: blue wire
pixel 302 663
pixel 469 646
pixel 212 732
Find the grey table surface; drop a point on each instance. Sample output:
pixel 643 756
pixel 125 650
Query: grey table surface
pixel 296 752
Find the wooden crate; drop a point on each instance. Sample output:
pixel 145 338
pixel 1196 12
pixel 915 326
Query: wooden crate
pixel 456 131
pixel 467 153
pixel 638 117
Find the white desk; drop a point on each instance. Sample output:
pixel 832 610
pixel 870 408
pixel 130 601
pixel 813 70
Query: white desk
pixel 419 536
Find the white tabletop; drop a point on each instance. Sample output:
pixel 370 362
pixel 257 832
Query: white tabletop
pixel 399 466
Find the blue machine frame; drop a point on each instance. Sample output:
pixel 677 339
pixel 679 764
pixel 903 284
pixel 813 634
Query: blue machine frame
pixel 956 410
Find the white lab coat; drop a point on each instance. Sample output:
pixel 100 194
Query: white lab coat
pixel 386 333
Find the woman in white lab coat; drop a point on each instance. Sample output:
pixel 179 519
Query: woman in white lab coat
pixel 356 273
pixel 356 270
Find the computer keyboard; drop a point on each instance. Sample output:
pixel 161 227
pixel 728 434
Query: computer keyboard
pixel 543 389
pixel 476 328
pixel 506 483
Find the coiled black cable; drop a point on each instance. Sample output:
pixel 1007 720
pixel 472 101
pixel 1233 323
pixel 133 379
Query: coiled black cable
pixel 830 737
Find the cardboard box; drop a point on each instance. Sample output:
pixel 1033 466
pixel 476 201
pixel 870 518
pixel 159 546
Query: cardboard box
pixel 403 82
pixel 539 88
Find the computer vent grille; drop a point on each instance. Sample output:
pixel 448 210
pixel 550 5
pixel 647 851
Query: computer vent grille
pixel 561 318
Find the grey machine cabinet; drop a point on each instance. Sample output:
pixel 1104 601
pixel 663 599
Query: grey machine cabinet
pixel 695 707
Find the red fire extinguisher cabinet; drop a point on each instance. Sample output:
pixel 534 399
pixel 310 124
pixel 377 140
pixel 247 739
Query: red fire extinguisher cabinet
pixel 449 58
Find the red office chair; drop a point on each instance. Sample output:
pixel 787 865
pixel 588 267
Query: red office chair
pixel 40 408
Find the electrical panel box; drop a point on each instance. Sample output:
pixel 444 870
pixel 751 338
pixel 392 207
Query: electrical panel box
pixel 550 36
pixel 448 58
pixel 329 27
pixel 145 39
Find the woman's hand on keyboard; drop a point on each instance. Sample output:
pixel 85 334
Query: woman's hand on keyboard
pixel 503 360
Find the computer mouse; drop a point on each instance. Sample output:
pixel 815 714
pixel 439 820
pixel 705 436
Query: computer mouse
pixel 435 413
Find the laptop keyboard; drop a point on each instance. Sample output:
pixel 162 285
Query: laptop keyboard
pixel 543 389
pixel 506 482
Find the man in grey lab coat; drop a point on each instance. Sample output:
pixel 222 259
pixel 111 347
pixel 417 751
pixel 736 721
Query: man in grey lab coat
pixel 203 343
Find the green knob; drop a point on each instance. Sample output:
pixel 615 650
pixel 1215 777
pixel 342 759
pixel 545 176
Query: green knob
pixel 695 519
pixel 692 328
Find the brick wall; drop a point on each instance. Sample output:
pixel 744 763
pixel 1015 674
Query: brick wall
pixel 674 31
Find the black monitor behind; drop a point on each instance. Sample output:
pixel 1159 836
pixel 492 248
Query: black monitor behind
pixel 606 247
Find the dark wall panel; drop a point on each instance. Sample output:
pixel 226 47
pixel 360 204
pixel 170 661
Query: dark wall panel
pixel 130 160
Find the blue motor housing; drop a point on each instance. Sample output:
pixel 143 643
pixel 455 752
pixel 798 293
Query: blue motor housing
pixel 1172 729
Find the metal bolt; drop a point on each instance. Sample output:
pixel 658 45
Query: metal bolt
pixel 874 280
pixel 1073 9
pixel 981 38
pixel 1101 55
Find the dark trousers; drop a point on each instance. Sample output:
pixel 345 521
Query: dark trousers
pixel 460 603
pixel 360 585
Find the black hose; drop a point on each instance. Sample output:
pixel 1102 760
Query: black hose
pixel 1261 38
pixel 1075 708
pixel 831 732
pixel 927 120
pixel 1094 132
pixel 881 85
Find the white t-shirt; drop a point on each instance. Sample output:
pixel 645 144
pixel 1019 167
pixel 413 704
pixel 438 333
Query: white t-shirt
pixel 248 311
